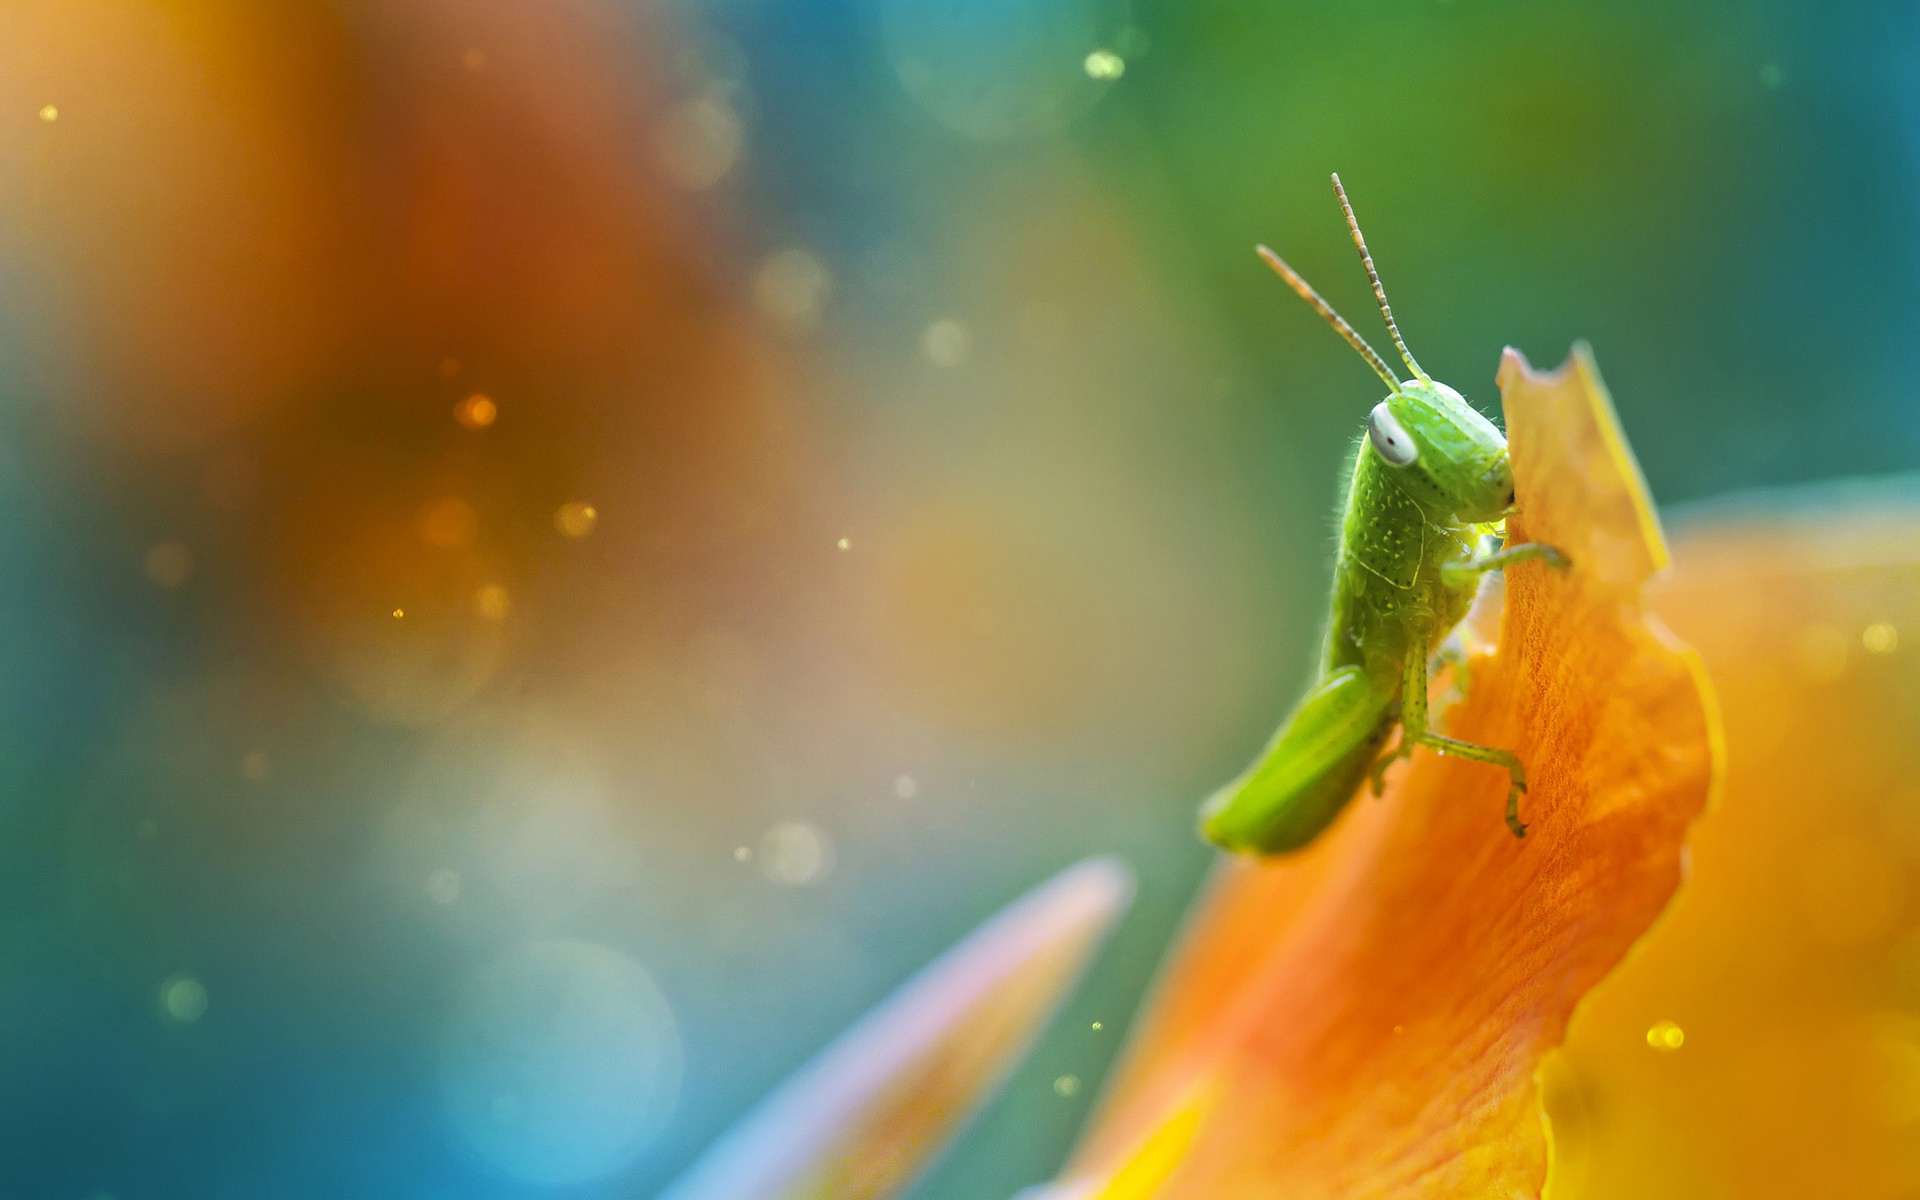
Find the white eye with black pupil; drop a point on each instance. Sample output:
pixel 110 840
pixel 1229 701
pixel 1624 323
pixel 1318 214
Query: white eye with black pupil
pixel 1389 440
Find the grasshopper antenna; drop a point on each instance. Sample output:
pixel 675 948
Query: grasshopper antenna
pixel 1305 291
pixel 1379 293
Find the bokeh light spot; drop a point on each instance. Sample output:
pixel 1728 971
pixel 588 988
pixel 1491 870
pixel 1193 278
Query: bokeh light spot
pixel 1665 1035
pixel 845 543
pixel 183 998
pixel 946 342
pixel 493 602
pixel 476 411
pixel 994 70
pixel 1105 64
pixel 443 886
pixel 447 523
pixel 793 853
pixel 576 519
pixel 698 143
pixel 1880 638
pixel 49 113
pixel 792 287
pixel 1853 893
pixel 561 1063
pixel 168 564
pixel 1821 653
pixel 1896 1061
pixel 906 787
pixel 1067 1085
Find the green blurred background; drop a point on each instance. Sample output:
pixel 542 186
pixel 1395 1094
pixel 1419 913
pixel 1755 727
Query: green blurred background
pixel 961 498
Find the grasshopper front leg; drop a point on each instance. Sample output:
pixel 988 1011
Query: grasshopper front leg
pixel 1468 570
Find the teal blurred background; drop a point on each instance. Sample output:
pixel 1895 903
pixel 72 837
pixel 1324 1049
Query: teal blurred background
pixel 896 479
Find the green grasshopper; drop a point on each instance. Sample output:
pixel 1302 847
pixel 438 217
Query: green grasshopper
pixel 1431 486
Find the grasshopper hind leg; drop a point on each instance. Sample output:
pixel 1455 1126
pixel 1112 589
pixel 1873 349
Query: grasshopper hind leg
pixel 1308 772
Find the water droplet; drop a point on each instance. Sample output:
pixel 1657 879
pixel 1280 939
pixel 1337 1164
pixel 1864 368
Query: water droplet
pixel 399 613
pixel 1666 1036
pixel 1097 1025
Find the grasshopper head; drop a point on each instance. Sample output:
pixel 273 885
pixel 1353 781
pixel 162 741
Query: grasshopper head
pixel 1442 452
pixel 1448 457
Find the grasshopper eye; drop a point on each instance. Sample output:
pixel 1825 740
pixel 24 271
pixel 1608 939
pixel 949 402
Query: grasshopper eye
pixel 1389 440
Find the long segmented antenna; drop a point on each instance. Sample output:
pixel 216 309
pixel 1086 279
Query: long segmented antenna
pixel 1379 293
pixel 1305 291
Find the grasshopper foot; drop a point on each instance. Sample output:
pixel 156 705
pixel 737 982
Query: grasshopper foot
pixel 1514 793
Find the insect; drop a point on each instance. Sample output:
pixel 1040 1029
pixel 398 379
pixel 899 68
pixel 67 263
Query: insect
pixel 1431 486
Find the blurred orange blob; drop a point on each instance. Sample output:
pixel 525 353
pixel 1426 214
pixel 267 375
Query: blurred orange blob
pixel 1789 969
pixel 1366 1018
pixel 476 411
pixel 186 199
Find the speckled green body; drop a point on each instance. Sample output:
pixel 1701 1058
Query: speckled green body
pixel 1406 574
pixel 1388 585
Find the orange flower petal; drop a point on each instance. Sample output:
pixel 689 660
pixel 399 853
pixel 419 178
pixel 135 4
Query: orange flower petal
pixel 863 1118
pixel 1368 1015
pixel 1790 965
